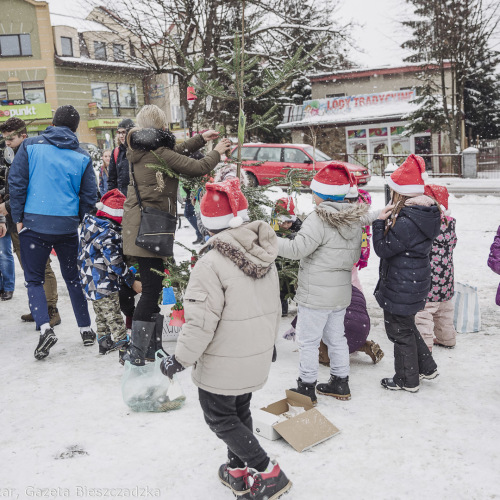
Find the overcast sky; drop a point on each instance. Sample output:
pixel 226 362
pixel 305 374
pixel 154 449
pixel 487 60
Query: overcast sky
pixel 378 33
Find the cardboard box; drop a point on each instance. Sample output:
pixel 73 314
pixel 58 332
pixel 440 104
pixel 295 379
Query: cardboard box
pixel 302 431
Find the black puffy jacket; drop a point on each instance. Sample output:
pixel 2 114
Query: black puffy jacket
pixel 405 269
pixel 119 176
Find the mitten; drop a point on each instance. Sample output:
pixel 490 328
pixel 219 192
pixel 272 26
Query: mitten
pixel 170 366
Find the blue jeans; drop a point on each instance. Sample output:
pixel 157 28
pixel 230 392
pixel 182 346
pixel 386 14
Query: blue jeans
pixel 35 251
pixel 7 268
pixel 190 215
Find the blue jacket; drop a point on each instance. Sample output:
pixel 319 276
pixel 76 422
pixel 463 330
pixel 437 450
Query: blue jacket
pixel 52 183
pixel 405 268
pixel 100 258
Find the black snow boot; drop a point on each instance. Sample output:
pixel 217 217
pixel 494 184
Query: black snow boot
pixel 306 390
pixel 336 387
pixel 156 340
pixel 142 331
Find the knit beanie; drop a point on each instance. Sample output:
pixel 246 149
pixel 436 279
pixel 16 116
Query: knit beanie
pixel 409 179
pixel 127 124
pixel 332 181
pixel 111 205
pixel 66 116
pixel 223 205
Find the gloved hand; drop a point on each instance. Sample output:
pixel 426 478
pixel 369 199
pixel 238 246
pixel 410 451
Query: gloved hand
pixel 170 366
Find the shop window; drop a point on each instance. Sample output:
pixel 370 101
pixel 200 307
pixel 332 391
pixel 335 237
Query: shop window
pixel 100 51
pixel 15 45
pixel 66 46
pixel 126 95
pixel 100 94
pixel 34 92
pixel 118 52
pixel 3 91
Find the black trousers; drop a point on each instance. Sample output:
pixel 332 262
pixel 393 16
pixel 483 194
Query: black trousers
pixel 230 419
pixel 411 354
pixel 151 288
pixel 126 297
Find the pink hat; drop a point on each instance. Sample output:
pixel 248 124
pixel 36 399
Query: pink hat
pixel 223 205
pixel 333 180
pixel 111 205
pixel 285 210
pixel 409 179
pixel 439 193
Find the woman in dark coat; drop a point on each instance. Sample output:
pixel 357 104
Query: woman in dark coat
pixel 403 242
pixel 118 176
pixel 147 145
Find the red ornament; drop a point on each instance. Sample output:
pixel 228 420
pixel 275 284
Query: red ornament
pixel 177 317
pixel 191 94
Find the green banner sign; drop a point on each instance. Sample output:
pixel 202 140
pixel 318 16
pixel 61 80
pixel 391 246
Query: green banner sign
pixel 104 123
pixel 26 112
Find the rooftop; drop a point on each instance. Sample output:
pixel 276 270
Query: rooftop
pixel 82 25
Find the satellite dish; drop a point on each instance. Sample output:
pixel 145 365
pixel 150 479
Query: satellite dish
pixel 8 154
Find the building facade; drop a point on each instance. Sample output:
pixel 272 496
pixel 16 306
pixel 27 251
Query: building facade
pixel 360 115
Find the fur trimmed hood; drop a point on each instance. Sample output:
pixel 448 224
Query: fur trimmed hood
pixel 345 217
pixel 253 247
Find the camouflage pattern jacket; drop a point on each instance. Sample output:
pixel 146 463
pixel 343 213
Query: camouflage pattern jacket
pixel 100 258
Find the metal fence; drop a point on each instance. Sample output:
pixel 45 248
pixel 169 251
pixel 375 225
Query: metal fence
pixel 488 160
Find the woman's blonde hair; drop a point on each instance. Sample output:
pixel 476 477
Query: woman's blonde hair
pixel 151 116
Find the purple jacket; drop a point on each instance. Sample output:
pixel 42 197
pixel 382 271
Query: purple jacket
pixel 494 260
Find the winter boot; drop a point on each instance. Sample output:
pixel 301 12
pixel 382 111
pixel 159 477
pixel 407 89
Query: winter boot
pixel 373 350
pixel 388 383
pixel 236 479
pixel 142 331
pixel 429 376
pixel 156 339
pixel 306 390
pixel 270 484
pixel 47 340
pixel 54 317
pixel 336 387
pixel 105 342
pixel 28 318
pixel 88 337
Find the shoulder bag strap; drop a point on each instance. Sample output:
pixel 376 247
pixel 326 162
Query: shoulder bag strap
pixel 135 186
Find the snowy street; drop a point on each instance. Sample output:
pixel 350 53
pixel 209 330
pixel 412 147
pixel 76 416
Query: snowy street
pixel 65 426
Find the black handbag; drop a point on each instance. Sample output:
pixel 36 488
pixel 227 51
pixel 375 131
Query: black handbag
pixel 157 228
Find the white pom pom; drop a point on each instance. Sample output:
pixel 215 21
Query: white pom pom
pixel 236 222
pixel 425 176
pixel 99 205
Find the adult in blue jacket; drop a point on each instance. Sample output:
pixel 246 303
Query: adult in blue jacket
pixel 52 186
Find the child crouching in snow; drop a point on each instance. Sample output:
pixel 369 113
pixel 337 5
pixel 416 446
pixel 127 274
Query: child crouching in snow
pixel 403 243
pixel 328 245
pixel 103 270
pixel 435 321
pixel 232 313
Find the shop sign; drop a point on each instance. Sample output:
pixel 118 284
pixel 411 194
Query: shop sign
pixel 104 123
pixel 397 130
pixel 28 111
pixel 357 134
pixel 343 105
pixel 378 132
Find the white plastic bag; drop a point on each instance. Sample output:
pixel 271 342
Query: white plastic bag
pixel 145 388
pixel 467 315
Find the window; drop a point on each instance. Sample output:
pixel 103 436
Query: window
pixel 66 46
pixel 320 156
pixel 3 91
pixel 126 95
pixel 118 52
pixel 100 94
pixel 100 51
pixel 34 92
pixel 293 155
pixel 15 45
pixel 269 154
pixel 333 96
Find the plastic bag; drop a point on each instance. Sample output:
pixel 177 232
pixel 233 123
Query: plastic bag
pixel 145 388
pixel 467 315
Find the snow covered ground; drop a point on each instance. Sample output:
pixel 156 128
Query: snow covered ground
pixel 64 424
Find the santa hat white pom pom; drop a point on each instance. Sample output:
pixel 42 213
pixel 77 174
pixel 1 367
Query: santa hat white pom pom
pixel 99 205
pixel 425 176
pixel 236 222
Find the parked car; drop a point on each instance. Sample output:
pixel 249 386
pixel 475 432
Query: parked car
pixel 274 159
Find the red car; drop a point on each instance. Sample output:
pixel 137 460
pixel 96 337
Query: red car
pixel 276 158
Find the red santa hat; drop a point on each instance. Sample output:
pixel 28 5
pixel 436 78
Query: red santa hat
pixel 285 210
pixel 332 180
pixel 409 179
pixel 111 205
pixel 223 205
pixel 353 193
pixel 439 193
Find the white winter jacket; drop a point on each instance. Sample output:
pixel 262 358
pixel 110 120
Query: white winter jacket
pixel 328 245
pixel 232 308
